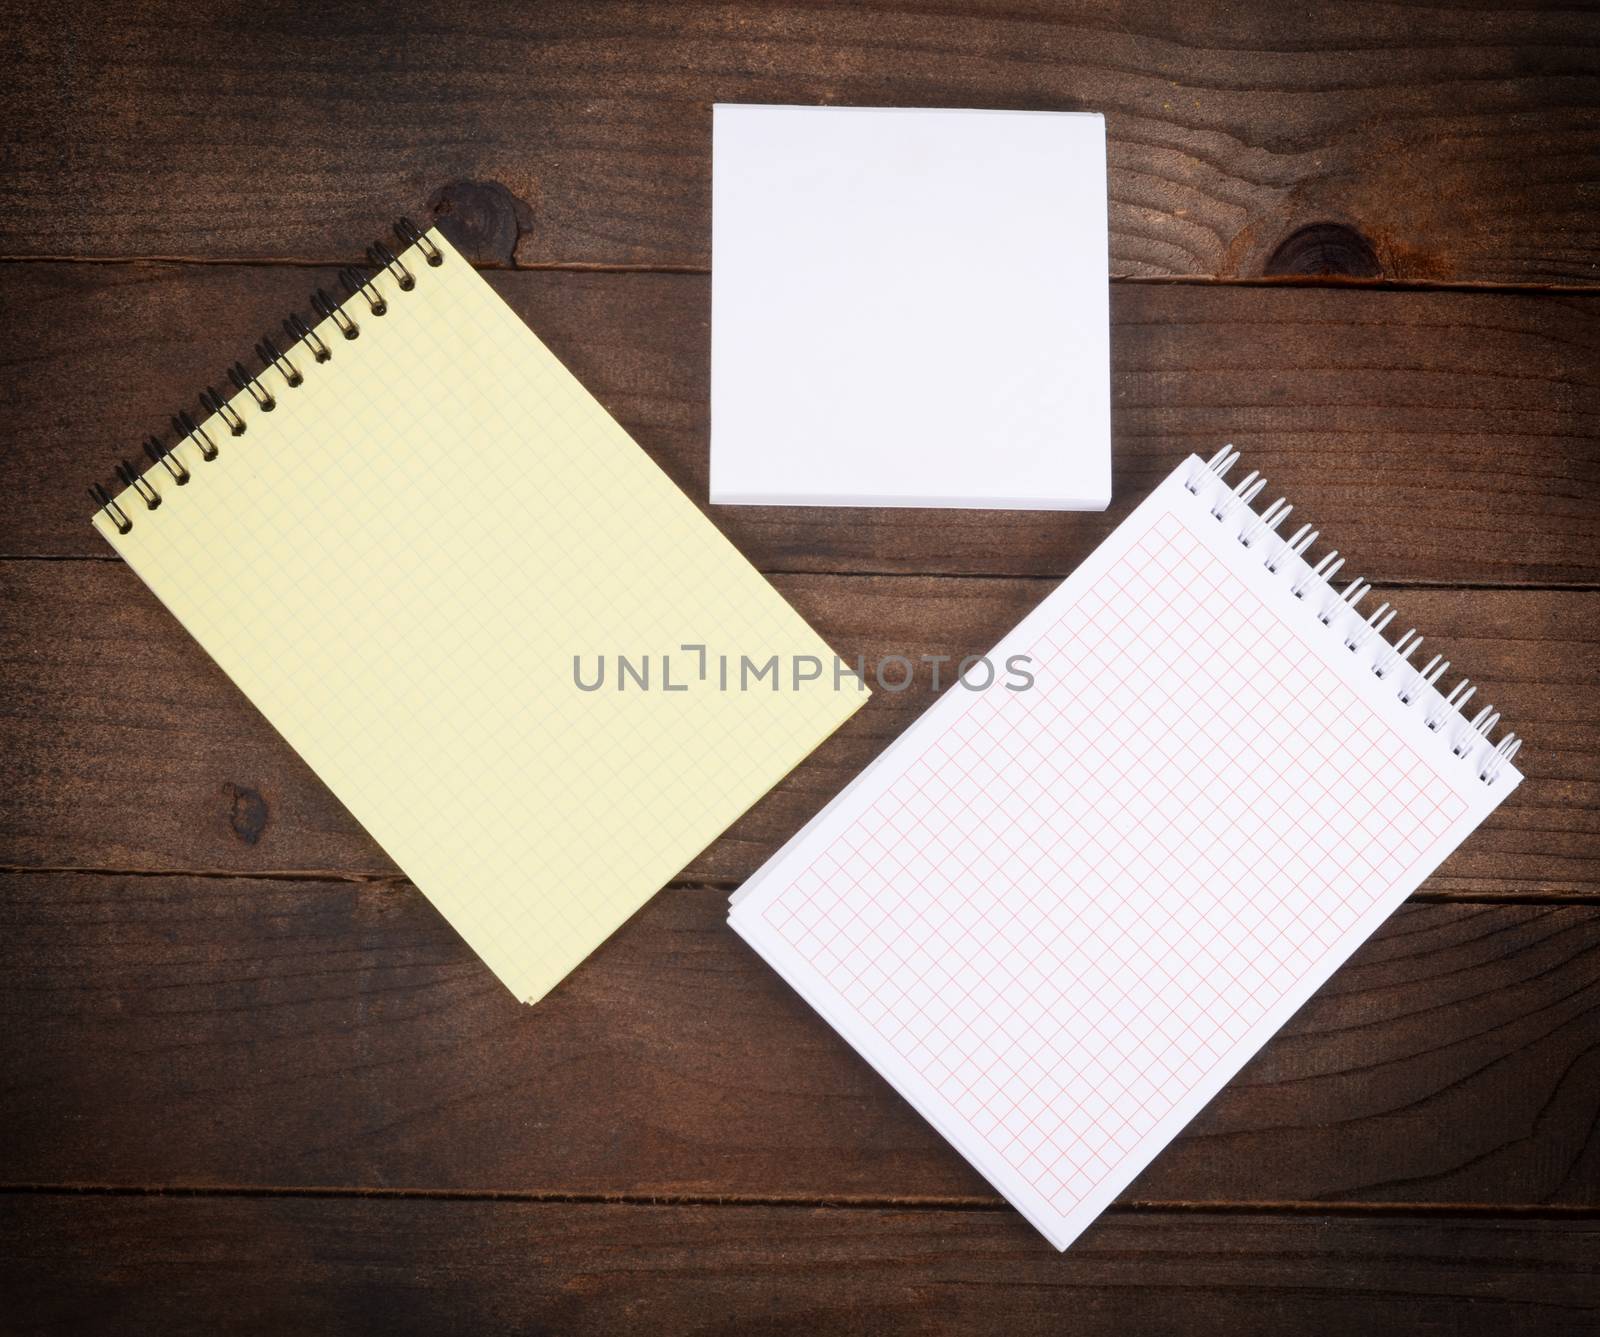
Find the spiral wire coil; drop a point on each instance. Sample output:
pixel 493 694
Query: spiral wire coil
pixel 1443 713
pixel 305 349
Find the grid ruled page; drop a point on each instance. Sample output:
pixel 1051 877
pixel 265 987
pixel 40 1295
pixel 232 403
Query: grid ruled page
pixel 1058 920
pixel 398 564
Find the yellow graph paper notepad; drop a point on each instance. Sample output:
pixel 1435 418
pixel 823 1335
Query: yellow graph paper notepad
pixel 399 562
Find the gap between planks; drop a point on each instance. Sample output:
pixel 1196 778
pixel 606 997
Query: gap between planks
pixel 1047 578
pixel 846 1203
pixel 1341 281
pixel 399 882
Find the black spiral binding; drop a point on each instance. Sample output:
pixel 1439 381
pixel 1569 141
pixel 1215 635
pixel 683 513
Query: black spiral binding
pixel 1442 714
pixel 356 283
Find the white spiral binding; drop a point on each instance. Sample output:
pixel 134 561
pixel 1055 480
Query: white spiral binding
pixel 1444 714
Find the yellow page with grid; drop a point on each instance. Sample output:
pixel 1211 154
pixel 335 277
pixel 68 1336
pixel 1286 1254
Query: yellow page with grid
pixel 415 564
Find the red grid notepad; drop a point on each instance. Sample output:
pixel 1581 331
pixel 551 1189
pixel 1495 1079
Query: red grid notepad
pixel 1059 919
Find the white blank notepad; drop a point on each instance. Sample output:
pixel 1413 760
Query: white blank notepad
pixel 1059 920
pixel 398 563
pixel 909 308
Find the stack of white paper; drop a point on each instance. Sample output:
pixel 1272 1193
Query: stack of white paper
pixel 909 308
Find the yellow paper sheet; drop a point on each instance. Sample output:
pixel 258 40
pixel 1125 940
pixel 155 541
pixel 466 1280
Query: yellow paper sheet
pixel 398 564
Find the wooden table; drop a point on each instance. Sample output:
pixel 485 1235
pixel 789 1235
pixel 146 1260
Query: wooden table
pixel 251 1081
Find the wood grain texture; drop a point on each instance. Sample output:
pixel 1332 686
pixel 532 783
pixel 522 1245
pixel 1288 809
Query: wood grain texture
pixel 317 1112
pixel 125 748
pixel 234 1032
pixel 1424 145
pixel 1439 437
pixel 252 1265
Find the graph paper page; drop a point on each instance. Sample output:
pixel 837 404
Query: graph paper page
pixel 399 562
pixel 1058 920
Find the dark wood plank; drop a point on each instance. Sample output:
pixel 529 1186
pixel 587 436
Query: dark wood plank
pixel 1434 436
pixel 1358 140
pixel 230 1032
pixel 244 1265
pixel 126 748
